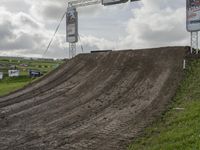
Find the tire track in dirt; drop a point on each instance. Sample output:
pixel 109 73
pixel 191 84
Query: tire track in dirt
pixel 97 101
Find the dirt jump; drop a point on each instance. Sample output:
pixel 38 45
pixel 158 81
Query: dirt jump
pixel 98 101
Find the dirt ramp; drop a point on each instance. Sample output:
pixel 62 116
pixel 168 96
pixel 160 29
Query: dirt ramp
pixel 98 101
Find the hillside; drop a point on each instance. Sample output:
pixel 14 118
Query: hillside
pixel 94 101
pixel 179 127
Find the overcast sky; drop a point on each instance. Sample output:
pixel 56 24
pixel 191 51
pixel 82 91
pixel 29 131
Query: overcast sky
pixel 26 26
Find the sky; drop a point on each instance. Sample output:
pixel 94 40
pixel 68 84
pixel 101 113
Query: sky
pixel 26 26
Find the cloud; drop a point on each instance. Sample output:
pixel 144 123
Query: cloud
pixel 47 10
pixel 23 35
pixel 157 23
pixel 94 43
pixel 6 31
pixel 53 9
pixel 26 20
pixel 13 30
pixel 128 26
pixel 15 5
pixel 153 24
pixel 150 24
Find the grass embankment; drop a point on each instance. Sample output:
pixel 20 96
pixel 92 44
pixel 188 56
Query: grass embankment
pixel 8 85
pixel 179 128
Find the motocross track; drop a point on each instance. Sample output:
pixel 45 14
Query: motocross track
pixel 98 101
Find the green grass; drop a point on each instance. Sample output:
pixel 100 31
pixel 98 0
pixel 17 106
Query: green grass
pixel 179 129
pixel 11 84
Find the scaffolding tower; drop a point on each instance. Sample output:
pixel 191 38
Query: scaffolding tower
pixel 194 42
pixel 83 3
pixel 72 50
pixel 76 4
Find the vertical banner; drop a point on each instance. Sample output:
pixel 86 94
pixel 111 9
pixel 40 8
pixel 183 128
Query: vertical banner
pixel 72 25
pixel 193 15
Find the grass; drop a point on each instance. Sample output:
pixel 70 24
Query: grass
pixel 179 128
pixel 11 84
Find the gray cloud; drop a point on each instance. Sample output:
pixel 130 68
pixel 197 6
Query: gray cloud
pixel 6 31
pixel 52 11
pixel 27 29
pixel 27 20
pixel 47 10
pixel 157 23
pixel 15 6
pixel 19 32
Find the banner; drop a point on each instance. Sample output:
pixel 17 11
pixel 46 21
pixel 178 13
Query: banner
pixel 72 25
pixel 1 75
pixel 193 15
pixel 13 73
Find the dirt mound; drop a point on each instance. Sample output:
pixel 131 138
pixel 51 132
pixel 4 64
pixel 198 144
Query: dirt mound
pixel 98 101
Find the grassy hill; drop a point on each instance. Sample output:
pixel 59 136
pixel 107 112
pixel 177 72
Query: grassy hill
pixel 179 127
pixel 24 65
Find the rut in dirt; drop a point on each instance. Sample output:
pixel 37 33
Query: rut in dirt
pixel 98 101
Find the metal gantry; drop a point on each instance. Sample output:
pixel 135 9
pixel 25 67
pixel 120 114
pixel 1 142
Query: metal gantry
pixel 82 3
pixel 194 42
pixel 72 50
pixel 76 4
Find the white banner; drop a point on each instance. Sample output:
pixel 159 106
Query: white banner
pixel 71 29
pixel 13 73
pixel 72 25
pixel 193 15
pixel 1 75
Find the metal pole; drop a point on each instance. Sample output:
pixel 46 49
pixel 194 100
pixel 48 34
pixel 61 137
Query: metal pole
pixel 69 51
pixel 194 42
pixel 197 43
pixel 72 50
pixel 191 48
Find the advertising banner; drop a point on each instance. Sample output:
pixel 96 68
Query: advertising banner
pixel 33 73
pixel 1 75
pixel 13 73
pixel 72 25
pixel 193 15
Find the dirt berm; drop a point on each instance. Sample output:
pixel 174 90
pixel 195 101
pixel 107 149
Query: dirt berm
pixel 98 101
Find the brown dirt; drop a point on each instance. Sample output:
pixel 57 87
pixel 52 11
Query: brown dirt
pixel 97 101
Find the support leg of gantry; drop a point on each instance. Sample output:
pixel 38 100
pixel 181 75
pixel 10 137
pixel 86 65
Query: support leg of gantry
pixel 194 42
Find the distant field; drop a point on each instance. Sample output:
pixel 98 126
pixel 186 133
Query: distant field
pixel 8 85
pixel 25 64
